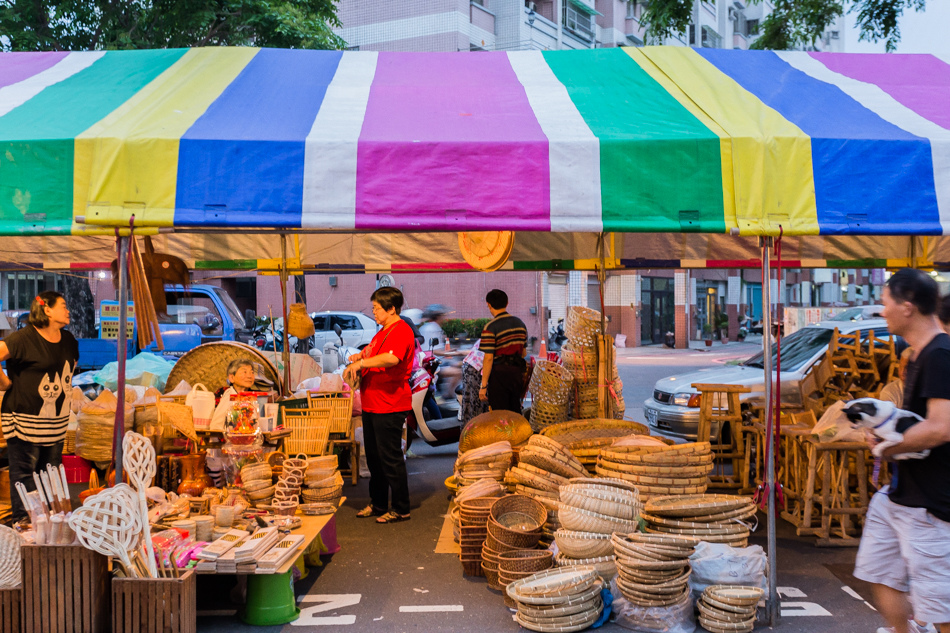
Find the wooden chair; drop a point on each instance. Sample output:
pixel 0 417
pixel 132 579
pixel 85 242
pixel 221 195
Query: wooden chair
pixel 719 404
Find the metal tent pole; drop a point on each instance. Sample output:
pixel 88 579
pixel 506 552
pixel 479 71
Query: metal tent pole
pixel 772 603
pixel 285 353
pixel 122 347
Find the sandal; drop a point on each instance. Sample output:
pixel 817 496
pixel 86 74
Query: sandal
pixel 370 511
pixel 392 517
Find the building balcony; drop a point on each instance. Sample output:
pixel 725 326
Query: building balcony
pixel 481 17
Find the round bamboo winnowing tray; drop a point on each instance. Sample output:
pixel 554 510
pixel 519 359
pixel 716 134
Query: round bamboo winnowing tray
pixel 583 544
pixel 558 586
pixel 208 364
pixel 695 505
pixel 585 438
pixel 689 454
pixel 729 608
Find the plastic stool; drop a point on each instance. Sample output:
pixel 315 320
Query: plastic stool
pixel 270 600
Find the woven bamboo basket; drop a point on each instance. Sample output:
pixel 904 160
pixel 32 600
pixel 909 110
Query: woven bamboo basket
pixel 577 433
pixel 515 539
pixel 555 586
pixel 69 446
pixel 262 493
pixel 550 387
pixel 520 504
pixel 561 463
pixel 583 544
pixel 338 405
pixel 208 364
pixel 580 520
pixel 316 475
pixel 310 430
pixel 582 327
pixel 260 471
pixel 605 565
pixel 525 561
pixel 496 546
pixel 257 484
pixel 322 494
pixel 695 505
pixel 621 509
pixel 585 398
pixel 582 362
pixel 334 481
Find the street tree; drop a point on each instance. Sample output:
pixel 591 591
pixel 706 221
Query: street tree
pixel 792 23
pixel 73 25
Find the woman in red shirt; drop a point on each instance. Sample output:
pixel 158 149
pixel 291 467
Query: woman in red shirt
pixel 384 367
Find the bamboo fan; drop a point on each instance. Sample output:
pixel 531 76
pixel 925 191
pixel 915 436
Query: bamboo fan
pixel 486 250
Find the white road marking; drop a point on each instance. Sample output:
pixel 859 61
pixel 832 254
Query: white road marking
pixel 331 602
pixel 851 592
pixel 790 592
pixel 803 608
pixel 431 608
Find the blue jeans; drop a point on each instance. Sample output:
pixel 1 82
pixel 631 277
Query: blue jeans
pixel 25 459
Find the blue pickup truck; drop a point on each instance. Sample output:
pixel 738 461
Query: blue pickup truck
pixel 196 314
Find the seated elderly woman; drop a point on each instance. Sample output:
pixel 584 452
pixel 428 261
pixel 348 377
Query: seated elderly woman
pixel 241 376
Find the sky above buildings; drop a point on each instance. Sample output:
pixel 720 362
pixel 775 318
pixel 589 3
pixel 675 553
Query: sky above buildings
pixel 921 32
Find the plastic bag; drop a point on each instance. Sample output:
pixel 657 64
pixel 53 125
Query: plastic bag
pixel 719 564
pixel 181 389
pixel 310 384
pixel 147 370
pixel 677 618
pixel 834 426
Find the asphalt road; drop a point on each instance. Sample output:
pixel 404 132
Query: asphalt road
pixel 387 578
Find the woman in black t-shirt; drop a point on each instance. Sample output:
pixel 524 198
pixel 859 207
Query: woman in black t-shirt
pixel 41 359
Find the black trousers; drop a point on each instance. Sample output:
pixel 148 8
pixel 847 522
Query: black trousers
pixel 27 458
pixel 382 442
pixel 505 385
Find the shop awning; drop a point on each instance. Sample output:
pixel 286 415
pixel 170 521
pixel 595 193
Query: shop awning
pixel 649 139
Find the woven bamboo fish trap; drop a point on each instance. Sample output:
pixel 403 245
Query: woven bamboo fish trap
pixel 550 389
pixel 208 364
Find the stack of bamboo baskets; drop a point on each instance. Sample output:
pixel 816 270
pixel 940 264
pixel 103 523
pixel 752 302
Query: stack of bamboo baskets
pixel 729 608
pixel 711 518
pixel 543 466
pixel 558 599
pixel 513 525
pixel 680 469
pixel 484 462
pixel 653 570
pixel 590 510
pixel 581 358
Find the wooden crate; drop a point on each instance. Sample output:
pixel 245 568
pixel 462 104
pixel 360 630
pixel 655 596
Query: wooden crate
pixel 65 590
pixel 10 610
pixel 154 605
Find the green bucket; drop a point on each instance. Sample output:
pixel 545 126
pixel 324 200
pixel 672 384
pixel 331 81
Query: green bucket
pixel 270 600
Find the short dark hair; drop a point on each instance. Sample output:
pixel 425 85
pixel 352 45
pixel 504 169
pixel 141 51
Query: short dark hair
pixel 47 298
pixel 916 287
pixel 388 297
pixel 497 299
pixel 944 311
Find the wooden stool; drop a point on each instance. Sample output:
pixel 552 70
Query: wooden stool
pixel 720 403
pixel 837 502
pixel 348 440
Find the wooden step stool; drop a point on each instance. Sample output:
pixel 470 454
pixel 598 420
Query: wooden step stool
pixel 720 404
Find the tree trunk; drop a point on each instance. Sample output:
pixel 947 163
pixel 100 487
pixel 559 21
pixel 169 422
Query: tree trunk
pixel 82 308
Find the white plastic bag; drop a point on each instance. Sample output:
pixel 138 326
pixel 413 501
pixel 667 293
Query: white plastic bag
pixel 677 618
pixel 201 402
pixel 720 564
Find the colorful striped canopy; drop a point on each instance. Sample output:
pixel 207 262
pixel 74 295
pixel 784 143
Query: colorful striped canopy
pixel 649 139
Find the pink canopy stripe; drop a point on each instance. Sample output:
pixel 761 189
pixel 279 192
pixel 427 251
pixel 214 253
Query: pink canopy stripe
pixel 450 142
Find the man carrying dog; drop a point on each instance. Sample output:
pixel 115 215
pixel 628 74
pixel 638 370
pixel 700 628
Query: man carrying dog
pixel 905 547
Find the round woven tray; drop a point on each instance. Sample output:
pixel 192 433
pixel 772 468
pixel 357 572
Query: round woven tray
pixel 562 624
pixel 580 520
pixel 690 454
pixel 555 586
pixel 714 626
pixel 322 494
pixel 576 433
pixel 525 561
pixel 720 615
pixel 521 475
pixel 583 544
pixel 561 463
pixel 694 505
pixel 551 611
pixel 742 611
pixel 208 364
pixel 738 595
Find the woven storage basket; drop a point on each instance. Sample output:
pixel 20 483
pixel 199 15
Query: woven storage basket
pixel 257 484
pixel 262 493
pixel 323 462
pixel 208 364
pixel 583 544
pixel 513 538
pixel 550 387
pixel 582 362
pixel 582 327
pixel 339 405
pixel 497 547
pixel 260 471
pixel 310 430
pixel 322 494
pixel 491 574
pixel 579 520
pixel 522 505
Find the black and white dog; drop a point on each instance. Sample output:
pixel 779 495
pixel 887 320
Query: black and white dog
pixel 886 421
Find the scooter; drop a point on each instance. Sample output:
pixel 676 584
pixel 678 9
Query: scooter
pixel 335 357
pixel 433 432
pixel 556 336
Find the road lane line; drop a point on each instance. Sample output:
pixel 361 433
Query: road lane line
pixel 431 608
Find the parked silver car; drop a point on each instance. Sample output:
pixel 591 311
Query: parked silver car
pixel 358 329
pixel 674 407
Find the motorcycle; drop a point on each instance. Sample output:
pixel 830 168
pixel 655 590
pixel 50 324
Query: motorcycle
pixel 335 356
pixel 446 430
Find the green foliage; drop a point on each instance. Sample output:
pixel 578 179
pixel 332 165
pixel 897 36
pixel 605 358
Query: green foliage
pixel 722 320
pixel 38 25
pixel 792 23
pixel 707 329
pixel 472 328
